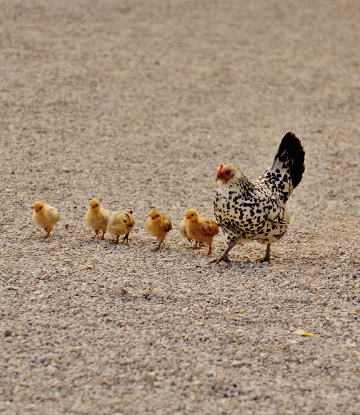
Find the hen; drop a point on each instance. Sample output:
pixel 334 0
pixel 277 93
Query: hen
pixel 256 211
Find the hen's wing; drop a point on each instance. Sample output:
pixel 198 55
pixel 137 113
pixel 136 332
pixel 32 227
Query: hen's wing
pixel 277 213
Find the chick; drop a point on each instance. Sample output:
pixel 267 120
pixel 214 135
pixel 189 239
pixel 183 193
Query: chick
pixel 200 229
pixel 121 223
pixel 182 228
pixel 97 217
pixel 158 225
pixel 45 216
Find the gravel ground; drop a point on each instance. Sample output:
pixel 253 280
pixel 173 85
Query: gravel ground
pixel 137 103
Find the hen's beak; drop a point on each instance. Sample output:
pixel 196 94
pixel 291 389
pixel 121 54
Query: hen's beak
pixel 219 178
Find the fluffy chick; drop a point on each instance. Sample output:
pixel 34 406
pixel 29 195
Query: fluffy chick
pixel 121 223
pixel 97 217
pixel 45 216
pixel 200 229
pixel 182 228
pixel 158 225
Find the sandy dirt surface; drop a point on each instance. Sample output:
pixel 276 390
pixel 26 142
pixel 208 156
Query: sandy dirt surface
pixel 137 103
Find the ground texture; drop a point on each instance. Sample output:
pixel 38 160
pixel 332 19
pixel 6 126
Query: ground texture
pixel 137 103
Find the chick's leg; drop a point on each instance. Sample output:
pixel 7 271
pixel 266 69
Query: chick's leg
pixel 224 256
pixel 126 238
pixel 117 239
pixel 103 235
pixel 96 232
pixel 267 255
pixel 47 232
pixel 158 245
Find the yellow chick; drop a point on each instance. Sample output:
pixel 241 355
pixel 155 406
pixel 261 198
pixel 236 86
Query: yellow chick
pixel 158 225
pixel 97 217
pixel 121 223
pixel 45 216
pixel 182 228
pixel 200 229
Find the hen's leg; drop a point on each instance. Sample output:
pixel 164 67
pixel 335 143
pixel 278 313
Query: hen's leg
pixel 224 256
pixel 267 255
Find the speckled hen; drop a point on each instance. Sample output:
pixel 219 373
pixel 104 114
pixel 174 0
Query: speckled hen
pixel 257 211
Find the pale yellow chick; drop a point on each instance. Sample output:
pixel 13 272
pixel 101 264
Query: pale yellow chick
pixel 200 229
pixel 158 225
pixel 121 223
pixel 45 216
pixel 182 228
pixel 97 217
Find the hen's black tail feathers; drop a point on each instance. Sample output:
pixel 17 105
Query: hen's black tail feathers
pixel 287 169
pixel 291 154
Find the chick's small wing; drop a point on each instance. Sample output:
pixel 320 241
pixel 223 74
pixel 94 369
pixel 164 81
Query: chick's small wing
pixel 209 227
pixel 54 215
pixel 167 225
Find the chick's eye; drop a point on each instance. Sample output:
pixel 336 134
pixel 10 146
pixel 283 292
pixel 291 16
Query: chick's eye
pixel 192 214
pixel 40 207
pixel 96 205
pixel 157 216
pixel 124 221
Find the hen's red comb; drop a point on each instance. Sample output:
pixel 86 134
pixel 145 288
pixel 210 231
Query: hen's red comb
pixel 220 168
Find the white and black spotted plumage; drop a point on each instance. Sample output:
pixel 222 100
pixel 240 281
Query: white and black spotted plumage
pixel 256 211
